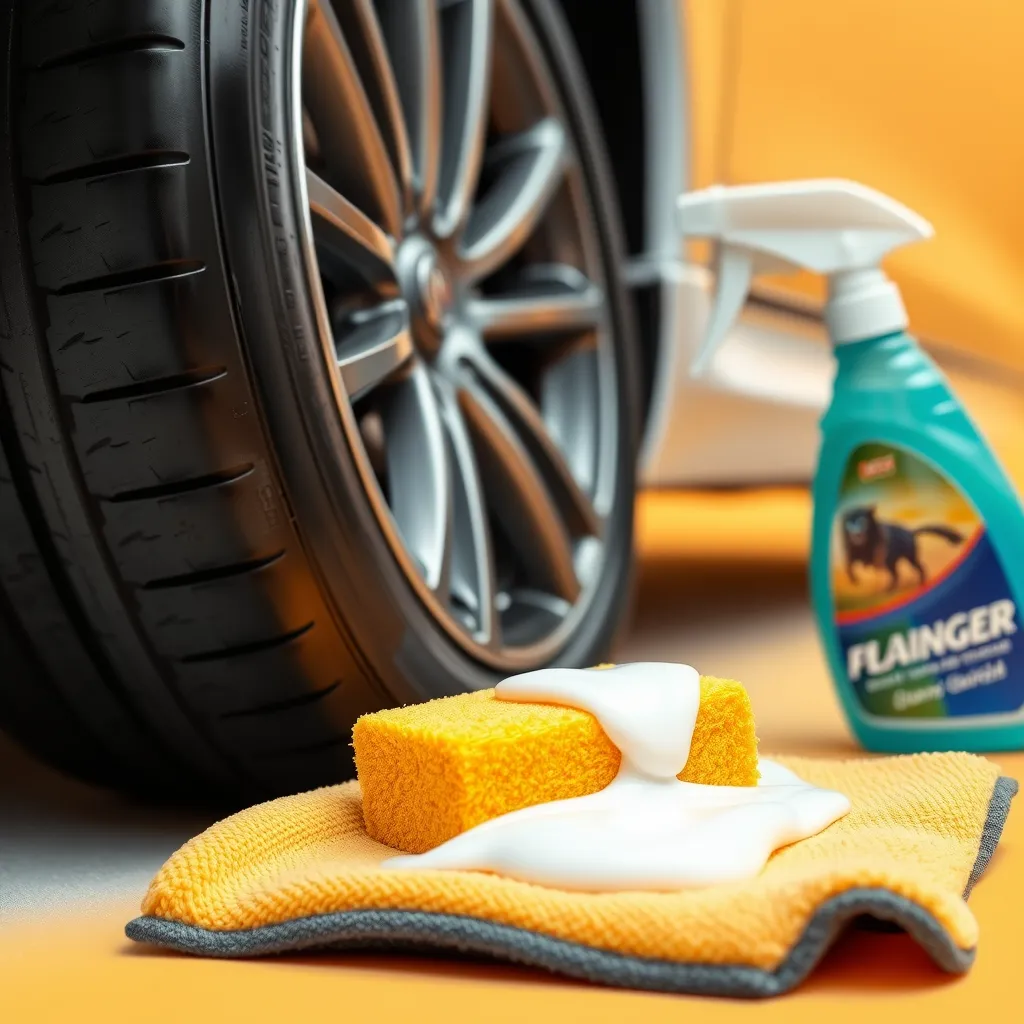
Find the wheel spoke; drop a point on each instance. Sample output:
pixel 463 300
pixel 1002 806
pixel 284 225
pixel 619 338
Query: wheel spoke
pixel 419 476
pixel 543 307
pixel 527 170
pixel 473 573
pixel 575 507
pixel 348 234
pixel 372 346
pixel 466 31
pixel 519 496
pixel 353 151
pixel 362 31
pixel 411 30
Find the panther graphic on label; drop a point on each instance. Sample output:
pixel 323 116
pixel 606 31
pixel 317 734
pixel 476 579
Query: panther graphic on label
pixel 869 541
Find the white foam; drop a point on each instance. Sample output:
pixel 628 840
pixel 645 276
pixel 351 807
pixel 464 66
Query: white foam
pixel 646 830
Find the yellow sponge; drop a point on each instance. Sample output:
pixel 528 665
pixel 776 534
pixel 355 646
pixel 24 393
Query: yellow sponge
pixel 431 771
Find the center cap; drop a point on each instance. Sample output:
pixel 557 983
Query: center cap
pixel 435 291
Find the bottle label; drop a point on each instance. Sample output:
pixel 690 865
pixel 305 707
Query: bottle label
pixel 926 620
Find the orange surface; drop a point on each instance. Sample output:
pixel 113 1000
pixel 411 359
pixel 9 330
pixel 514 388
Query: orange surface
pixel 715 526
pixel 71 969
pixel 919 100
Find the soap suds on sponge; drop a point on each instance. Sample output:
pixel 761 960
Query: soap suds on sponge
pixel 431 771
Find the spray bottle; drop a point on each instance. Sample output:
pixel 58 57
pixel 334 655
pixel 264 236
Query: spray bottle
pixel 917 558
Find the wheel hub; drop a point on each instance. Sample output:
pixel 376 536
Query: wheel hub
pixel 428 288
pixel 436 294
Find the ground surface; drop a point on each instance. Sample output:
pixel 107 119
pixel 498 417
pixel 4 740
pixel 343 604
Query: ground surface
pixel 74 862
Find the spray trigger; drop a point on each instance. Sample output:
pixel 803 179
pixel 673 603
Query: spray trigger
pixel 837 228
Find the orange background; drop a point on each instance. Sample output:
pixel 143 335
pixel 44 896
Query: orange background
pixel 930 102
pixel 920 100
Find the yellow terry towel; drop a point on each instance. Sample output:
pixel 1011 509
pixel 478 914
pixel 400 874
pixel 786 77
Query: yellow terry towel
pixel 302 872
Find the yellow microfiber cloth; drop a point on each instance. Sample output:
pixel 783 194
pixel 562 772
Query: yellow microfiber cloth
pixel 301 872
pixel 431 771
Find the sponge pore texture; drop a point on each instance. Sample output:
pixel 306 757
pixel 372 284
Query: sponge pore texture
pixel 431 771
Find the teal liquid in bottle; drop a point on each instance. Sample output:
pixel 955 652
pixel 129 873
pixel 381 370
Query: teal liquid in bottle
pixel 917 567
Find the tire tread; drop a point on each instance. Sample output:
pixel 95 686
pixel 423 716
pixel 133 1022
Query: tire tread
pixel 153 410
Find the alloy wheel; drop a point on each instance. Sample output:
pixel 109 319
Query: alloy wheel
pixel 453 259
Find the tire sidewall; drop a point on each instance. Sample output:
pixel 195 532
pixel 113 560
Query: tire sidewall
pixel 407 655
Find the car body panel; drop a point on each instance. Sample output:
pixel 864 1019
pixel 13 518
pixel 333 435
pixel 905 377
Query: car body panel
pixel 740 425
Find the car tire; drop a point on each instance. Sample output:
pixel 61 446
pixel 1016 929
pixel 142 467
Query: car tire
pixel 200 583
